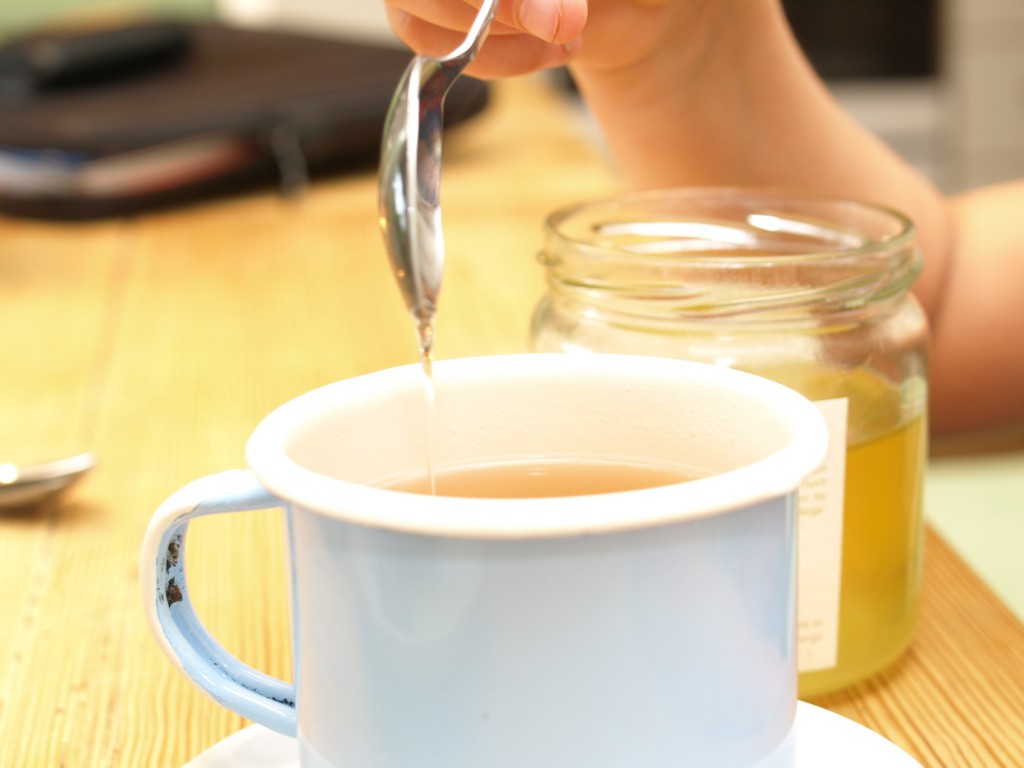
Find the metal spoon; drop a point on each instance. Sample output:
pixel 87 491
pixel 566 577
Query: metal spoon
pixel 410 174
pixel 23 485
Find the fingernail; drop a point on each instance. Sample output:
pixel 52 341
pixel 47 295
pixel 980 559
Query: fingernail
pixel 539 18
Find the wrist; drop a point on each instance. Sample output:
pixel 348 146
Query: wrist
pixel 694 84
pixel 675 43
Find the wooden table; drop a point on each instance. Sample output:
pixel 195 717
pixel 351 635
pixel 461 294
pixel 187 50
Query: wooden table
pixel 159 342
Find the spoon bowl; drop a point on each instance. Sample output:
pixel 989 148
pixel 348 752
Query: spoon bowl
pixel 28 484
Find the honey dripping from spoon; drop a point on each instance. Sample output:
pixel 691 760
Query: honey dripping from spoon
pixel 425 328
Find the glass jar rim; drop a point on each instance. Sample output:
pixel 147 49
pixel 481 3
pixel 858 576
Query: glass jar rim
pixel 739 254
pixel 900 237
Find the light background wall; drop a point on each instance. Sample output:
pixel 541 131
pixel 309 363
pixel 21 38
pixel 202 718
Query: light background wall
pixel 17 15
pixel 361 18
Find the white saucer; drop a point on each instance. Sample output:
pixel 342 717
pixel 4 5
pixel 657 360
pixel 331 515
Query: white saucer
pixel 818 738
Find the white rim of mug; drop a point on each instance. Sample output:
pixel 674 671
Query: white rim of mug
pixel 776 475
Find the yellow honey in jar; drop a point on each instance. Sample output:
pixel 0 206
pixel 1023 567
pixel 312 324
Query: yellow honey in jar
pixel 881 573
pixel 813 292
pixel 880 570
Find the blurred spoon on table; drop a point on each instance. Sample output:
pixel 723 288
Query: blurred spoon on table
pixel 22 485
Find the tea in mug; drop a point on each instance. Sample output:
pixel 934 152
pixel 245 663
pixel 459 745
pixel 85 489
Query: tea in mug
pixel 536 478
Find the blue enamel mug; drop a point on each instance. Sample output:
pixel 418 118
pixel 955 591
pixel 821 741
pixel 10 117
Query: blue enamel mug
pixel 645 628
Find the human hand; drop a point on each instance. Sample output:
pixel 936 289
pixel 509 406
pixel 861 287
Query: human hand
pixel 529 35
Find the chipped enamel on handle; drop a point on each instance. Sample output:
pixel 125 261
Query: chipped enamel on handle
pixel 233 684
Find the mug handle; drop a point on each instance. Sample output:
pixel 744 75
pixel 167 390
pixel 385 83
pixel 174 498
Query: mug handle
pixel 232 683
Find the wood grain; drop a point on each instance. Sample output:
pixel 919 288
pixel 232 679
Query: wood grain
pixel 957 697
pixel 160 341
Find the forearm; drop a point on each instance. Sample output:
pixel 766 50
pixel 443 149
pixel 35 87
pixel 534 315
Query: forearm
pixel 743 107
pixel 978 337
pixel 728 98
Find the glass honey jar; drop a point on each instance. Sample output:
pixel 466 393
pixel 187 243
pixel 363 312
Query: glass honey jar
pixel 813 292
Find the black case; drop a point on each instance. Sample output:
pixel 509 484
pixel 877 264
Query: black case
pixel 266 107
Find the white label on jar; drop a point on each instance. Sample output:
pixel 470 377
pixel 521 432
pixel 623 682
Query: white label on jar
pixel 820 547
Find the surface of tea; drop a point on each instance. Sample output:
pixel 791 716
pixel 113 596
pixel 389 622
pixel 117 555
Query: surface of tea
pixel 546 478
